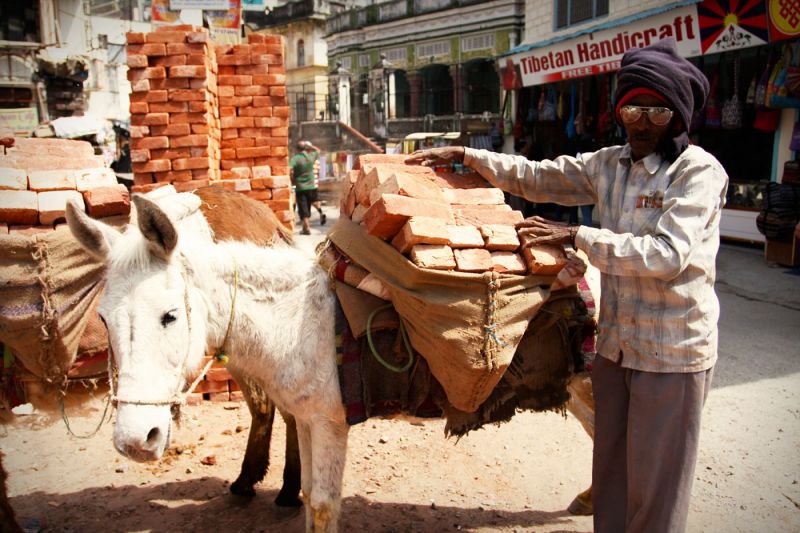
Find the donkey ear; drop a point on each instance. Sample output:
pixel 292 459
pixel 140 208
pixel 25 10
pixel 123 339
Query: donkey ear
pixel 155 226
pixel 96 237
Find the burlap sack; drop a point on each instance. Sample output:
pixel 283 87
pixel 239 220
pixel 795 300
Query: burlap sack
pixel 49 287
pixel 466 326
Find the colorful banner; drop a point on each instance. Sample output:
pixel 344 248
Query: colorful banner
pixel 225 26
pixel 732 24
pixel 162 15
pixel 21 121
pixel 601 51
pixel 784 19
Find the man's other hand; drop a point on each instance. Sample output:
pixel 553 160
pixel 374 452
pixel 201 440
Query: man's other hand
pixel 437 156
pixel 538 230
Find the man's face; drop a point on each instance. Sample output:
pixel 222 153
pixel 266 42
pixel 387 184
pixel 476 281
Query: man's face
pixel 643 135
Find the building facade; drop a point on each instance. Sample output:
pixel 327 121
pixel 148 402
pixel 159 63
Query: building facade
pixel 424 65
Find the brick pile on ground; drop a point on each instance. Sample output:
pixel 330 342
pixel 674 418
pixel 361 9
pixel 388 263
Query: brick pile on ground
pixel 254 121
pixel 217 385
pixel 174 115
pixel 39 176
pixel 441 220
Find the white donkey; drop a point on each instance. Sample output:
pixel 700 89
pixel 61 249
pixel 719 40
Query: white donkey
pixel 168 298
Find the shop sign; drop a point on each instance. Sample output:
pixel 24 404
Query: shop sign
pixel 21 121
pixel 602 51
pixel 253 5
pixel 784 19
pixel 177 5
pixel 731 25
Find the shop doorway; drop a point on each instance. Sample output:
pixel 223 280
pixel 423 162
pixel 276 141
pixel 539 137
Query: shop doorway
pixel 481 87
pixel 437 90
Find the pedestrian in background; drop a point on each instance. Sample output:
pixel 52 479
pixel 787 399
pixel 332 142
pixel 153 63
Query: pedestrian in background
pixel 659 202
pixel 305 181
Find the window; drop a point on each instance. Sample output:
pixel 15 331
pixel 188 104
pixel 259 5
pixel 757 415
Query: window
pixel 571 12
pixel 477 42
pixel 19 21
pixel 363 61
pixel 347 62
pixel 436 48
pixel 301 53
pixel 396 55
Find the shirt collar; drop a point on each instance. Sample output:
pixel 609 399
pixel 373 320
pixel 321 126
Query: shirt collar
pixel 651 163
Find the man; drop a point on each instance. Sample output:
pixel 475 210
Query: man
pixel 305 182
pixel 659 203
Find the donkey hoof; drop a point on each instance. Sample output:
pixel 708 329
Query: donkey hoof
pixel 240 488
pixel 288 500
pixel 582 504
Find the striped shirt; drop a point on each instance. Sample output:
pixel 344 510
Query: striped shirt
pixel 656 248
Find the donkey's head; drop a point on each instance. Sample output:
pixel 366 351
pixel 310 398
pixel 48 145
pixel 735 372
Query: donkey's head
pixel 156 322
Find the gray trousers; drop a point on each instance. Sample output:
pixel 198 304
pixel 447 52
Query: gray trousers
pixel 647 428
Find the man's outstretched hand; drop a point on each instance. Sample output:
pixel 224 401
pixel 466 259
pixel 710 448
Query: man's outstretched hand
pixel 437 156
pixel 538 230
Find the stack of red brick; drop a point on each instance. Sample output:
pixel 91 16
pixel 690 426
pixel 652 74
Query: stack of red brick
pixel 204 115
pixel 217 385
pixel 254 120
pixel 174 117
pixel 39 176
pixel 441 220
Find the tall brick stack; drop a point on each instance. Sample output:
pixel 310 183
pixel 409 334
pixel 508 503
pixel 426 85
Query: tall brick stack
pixel 440 220
pixel 204 115
pixel 254 120
pixel 39 176
pixel 174 116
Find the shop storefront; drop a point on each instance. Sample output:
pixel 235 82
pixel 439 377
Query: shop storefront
pixel 563 93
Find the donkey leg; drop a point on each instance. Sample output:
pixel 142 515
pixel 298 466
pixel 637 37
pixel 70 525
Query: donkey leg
pixel 304 444
pixel 329 451
pixel 288 496
pixel 581 405
pixel 256 456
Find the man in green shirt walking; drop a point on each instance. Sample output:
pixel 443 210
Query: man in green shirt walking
pixel 305 182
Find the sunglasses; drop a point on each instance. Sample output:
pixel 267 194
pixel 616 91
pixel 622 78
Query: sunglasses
pixel 660 116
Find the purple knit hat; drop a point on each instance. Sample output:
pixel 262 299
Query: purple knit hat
pixel 660 68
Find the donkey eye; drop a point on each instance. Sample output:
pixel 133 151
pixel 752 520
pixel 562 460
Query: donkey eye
pixel 168 318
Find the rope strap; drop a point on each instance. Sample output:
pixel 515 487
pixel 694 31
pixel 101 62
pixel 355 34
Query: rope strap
pixel 374 351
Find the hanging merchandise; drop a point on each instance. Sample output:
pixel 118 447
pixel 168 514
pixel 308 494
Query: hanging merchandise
pixel 793 72
pixel 732 108
pixel 750 99
pixel 548 111
pixel 795 142
pixel 580 119
pixel 571 120
pixel 713 118
pixel 779 95
pixel 560 110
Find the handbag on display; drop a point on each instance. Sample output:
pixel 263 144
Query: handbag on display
pixel 731 115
